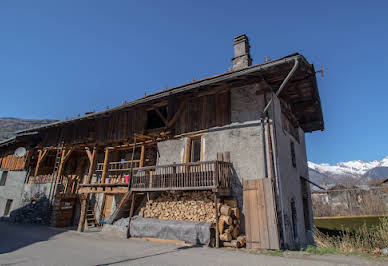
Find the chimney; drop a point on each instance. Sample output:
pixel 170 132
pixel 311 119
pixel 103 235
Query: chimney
pixel 242 58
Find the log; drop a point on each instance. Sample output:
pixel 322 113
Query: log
pixel 226 219
pixel 241 240
pixel 221 226
pixel 225 210
pixel 231 203
pixel 226 237
pixel 235 231
pixel 236 213
pixel 236 222
pixel 229 229
pixel 232 244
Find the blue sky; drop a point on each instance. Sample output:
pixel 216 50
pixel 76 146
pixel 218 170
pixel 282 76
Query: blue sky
pixel 61 58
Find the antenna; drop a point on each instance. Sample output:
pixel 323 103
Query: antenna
pixel 320 71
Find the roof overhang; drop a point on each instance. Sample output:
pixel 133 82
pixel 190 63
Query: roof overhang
pixel 301 90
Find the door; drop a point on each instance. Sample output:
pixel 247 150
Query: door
pixel 260 214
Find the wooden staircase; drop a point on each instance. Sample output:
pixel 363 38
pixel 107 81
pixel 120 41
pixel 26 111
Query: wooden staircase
pixel 90 219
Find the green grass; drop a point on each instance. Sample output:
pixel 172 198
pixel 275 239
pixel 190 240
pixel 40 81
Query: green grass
pixel 350 223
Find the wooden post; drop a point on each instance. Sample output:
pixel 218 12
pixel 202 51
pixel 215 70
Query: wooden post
pixel 105 166
pixel 217 221
pixel 84 203
pixel 142 156
pixel 40 158
pixel 131 214
pixel 92 166
pixel 59 173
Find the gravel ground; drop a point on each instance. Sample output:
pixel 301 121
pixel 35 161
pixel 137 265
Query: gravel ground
pixel 42 245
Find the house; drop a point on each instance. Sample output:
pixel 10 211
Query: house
pixel 238 135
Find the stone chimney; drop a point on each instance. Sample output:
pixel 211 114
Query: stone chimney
pixel 242 58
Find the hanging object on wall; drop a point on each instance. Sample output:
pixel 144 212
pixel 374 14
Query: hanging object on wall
pixel 20 152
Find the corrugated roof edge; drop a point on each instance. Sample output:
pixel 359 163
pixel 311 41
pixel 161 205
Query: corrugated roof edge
pixel 181 88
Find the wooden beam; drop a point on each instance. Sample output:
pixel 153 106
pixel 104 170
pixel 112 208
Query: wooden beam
pixel 105 166
pixel 60 168
pixel 131 214
pixel 142 156
pixel 92 166
pixel 161 116
pixel 38 162
pixel 217 221
pixel 176 115
pixel 84 204
pixel 87 149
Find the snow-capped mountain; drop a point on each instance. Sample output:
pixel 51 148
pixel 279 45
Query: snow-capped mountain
pixel 348 172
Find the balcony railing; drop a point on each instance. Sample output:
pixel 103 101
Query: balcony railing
pixel 122 166
pixel 187 176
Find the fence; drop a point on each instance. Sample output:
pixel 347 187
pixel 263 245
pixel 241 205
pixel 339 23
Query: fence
pixel 350 202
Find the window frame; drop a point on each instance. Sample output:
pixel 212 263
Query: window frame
pixel 3 178
pixel 189 149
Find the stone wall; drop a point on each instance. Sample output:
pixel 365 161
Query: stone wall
pixel 12 189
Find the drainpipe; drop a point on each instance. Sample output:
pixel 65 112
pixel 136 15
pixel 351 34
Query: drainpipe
pixel 274 144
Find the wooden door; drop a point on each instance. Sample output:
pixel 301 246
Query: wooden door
pixel 260 214
pixel 108 205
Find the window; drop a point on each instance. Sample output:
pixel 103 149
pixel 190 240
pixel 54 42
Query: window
pixel 156 119
pixel 8 207
pixel 193 150
pixel 294 221
pixel 305 201
pixel 293 159
pixel 3 178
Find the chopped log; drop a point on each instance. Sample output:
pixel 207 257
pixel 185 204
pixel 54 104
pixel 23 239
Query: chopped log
pixel 226 219
pixel 236 222
pixel 231 203
pixel 226 237
pixel 235 231
pixel 221 226
pixel 225 210
pixel 229 229
pixel 236 213
pixel 241 240
pixel 232 244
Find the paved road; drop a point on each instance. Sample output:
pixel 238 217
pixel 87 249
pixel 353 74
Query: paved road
pixel 40 245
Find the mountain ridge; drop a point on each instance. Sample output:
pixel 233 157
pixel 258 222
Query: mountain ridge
pixel 349 172
pixel 9 125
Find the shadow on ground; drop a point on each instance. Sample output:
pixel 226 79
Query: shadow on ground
pixel 148 256
pixel 14 236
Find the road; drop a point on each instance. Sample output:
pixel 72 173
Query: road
pixel 41 245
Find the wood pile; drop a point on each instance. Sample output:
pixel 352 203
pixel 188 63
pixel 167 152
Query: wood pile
pixel 184 206
pixel 229 225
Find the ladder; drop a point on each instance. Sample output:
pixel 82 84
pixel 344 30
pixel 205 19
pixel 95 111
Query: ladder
pixel 53 186
pixel 90 219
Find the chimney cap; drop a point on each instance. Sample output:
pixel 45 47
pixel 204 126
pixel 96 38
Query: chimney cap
pixel 241 38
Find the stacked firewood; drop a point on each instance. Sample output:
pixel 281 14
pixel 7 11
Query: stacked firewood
pixel 229 225
pixel 184 206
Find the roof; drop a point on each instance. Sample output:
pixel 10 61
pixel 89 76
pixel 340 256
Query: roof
pixel 197 84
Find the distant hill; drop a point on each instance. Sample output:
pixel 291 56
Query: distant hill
pixel 9 125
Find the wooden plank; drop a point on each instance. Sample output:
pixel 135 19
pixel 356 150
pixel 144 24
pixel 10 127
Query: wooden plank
pixel 262 214
pixel 274 241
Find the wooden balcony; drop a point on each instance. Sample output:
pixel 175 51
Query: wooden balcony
pixel 208 175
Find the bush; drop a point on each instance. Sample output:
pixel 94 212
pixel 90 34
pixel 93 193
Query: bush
pixel 365 240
